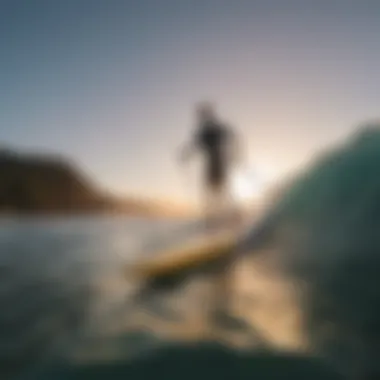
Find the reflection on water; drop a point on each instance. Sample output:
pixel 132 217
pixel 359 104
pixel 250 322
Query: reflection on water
pixel 66 303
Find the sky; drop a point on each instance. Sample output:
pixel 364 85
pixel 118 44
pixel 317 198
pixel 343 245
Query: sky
pixel 112 84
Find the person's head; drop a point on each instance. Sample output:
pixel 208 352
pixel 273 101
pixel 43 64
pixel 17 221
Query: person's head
pixel 205 111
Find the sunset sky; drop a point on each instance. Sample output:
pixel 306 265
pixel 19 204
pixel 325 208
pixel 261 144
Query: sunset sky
pixel 112 84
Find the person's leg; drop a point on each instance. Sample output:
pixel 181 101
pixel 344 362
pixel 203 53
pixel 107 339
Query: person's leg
pixel 208 206
pixel 214 199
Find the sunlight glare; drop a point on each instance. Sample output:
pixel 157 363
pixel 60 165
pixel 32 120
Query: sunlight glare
pixel 246 188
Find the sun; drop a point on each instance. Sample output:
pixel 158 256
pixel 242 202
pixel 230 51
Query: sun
pixel 246 188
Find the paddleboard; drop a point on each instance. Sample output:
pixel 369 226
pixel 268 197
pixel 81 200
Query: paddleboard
pixel 184 256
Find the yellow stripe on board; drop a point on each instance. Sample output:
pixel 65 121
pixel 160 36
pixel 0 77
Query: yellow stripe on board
pixel 171 261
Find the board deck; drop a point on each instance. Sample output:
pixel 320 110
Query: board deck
pixel 180 258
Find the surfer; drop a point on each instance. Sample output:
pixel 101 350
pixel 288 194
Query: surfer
pixel 219 147
pixel 217 143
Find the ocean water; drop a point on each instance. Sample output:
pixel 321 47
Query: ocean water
pixel 308 293
pixel 69 309
pixel 55 275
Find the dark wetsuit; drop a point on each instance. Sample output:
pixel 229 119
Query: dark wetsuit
pixel 213 139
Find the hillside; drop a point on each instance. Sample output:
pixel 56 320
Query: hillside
pixel 33 184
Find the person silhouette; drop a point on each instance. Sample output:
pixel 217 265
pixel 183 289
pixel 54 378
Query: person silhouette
pixel 221 152
pixel 218 146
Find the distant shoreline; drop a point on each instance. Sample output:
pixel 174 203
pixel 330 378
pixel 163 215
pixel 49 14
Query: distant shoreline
pixel 49 185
